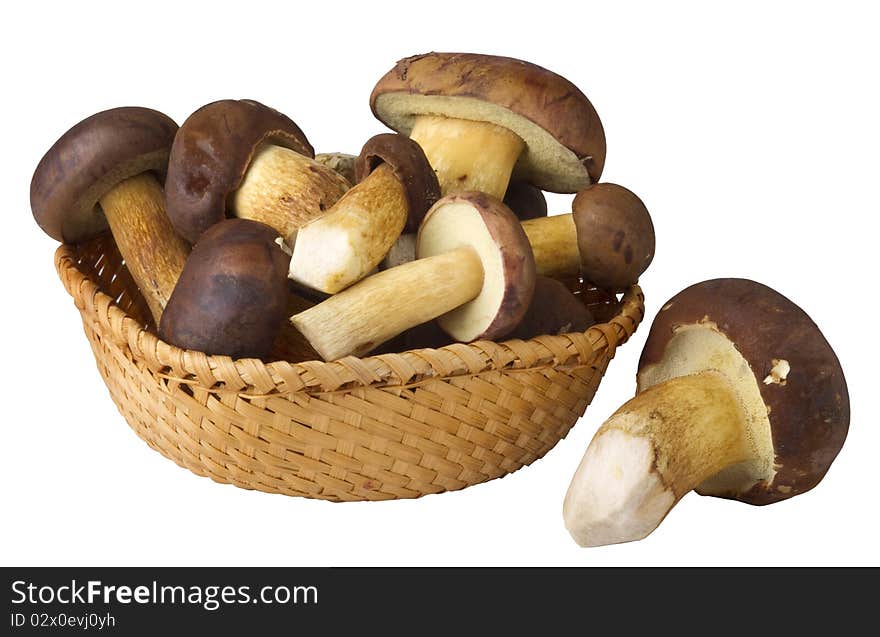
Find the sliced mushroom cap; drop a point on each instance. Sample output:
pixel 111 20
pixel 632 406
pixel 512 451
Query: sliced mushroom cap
pixel 211 154
pixel 615 235
pixel 483 223
pixel 89 160
pixel 408 163
pixel 563 136
pixel 790 379
pixel 231 298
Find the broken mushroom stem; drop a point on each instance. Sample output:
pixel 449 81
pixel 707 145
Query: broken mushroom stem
pixel 662 444
pixel 154 253
pixel 468 155
pixel 335 250
pixel 396 186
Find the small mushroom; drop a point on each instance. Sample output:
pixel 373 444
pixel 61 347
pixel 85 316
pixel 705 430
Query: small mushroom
pixel 525 200
pixel 241 158
pixel 231 298
pixel 474 273
pixel 343 163
pixel 395 188
pixel 103 172
pixel 481 119
pixel 553 310
pixel 608 237
pixel 739 396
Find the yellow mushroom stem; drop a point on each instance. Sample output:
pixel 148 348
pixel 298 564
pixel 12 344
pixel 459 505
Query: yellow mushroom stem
pixel 154 253
pixel 286 190
pixel 376 309
pixel 553 239
pixel 348 242
pixel 554 244
pixel 468 155
pixel 656 448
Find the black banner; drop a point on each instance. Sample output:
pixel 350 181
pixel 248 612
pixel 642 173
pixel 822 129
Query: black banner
pixel 129 601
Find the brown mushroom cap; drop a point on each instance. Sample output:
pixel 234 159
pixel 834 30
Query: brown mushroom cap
pixel 409 164
pixel 211 154
pixel 231 297
pixel 90 159
pixel 554 310
pixel 482 222
pixel 564 138
pixel 796 372
pixel 615 235
pixel 526 201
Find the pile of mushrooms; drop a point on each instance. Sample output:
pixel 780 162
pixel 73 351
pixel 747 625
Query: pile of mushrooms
pixel 238 235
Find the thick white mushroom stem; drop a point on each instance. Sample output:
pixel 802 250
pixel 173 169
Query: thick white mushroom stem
pixel 650 453
pixel 286 190
pixel 343 246
pixel 380 307
pixel 154 253
pixel 468 155
pixel 554 244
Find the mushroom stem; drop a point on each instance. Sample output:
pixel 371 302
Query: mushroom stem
pixel 553 239
pixel 154 253
pixel 343 246
pixel 650 453
pixel 468 155
pixel 382 306
pixel 286 190
pixel 555 245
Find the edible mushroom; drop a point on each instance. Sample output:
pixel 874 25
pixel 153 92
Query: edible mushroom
pixel 608 237
pixel 553 310
pixel 104 172
pixel 232 295
pixel 241 158
pixel 739 396
pixel 482 118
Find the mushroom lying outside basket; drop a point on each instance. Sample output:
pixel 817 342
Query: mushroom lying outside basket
pixel 396 425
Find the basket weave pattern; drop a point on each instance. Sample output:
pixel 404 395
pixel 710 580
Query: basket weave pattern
pixel 390 426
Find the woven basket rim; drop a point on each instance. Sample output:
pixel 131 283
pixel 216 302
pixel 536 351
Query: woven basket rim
pixel 257 378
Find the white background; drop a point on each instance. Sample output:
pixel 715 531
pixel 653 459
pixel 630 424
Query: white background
pixel 750 133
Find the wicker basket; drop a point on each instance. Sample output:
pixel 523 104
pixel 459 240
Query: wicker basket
pixel 389 426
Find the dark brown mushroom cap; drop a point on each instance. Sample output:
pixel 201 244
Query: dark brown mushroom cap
pixel 232 294
pixel 553 310
pixel 615 235
pixel 211 154
pixel 514 90
pixel 808 408
pixel 525 200
pixel 89 160
pixel 409 164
